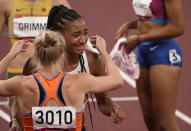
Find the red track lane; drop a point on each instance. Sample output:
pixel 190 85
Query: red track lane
pixel 103 17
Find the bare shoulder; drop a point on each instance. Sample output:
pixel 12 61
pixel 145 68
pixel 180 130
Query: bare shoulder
pixel 22 80
pixel 27 79
pixel 77 82
pixel 18 85
pixel 14 83
pixel 92 55
pixel 16 79
pixel 93 58
pixel 77 77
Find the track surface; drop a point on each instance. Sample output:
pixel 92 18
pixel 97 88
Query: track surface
pixel 103 17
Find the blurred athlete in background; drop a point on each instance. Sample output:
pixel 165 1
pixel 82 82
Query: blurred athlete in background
pixel 159 57
pixel 52 87
pixel 25 20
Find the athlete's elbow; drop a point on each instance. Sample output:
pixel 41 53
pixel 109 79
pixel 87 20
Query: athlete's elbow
pixel 121 83
pixel 179 30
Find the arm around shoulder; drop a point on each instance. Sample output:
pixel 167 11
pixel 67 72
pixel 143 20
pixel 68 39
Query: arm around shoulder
pixel 112 81
pixel 90 83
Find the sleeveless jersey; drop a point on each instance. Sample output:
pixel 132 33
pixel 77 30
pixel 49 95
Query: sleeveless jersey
pixel 153 10
pixel 79 67
pixel 26 20
pixel 82 63
pixel 50 89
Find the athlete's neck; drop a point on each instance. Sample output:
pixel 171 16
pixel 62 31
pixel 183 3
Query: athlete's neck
pixel 72 57
pixel 72 61
pixel 50 71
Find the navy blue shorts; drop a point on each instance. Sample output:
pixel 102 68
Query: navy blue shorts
pixel 164 52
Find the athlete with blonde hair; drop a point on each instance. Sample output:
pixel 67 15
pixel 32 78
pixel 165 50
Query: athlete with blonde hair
pixel 78 62
pixel 52 87
pixel 25 19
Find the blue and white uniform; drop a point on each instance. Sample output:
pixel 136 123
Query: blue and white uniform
pixel 163 52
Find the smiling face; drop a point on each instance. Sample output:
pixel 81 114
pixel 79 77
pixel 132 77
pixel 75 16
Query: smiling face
pixel 76 36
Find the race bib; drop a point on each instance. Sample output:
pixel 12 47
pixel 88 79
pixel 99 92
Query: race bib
pixel 174 57
pixel 53 117
pixel 29 26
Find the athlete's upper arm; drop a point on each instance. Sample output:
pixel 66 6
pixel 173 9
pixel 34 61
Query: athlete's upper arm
pixel 91 83
pixel 3 13
pixel 10 87
pixel 175 13
pixel 61 2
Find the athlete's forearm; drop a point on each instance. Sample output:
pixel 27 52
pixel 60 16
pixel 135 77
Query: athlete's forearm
pixel 165 33
pixel 111 69
pixel 103 98
pixel 5 62
pixel 17 48
pixel 105 103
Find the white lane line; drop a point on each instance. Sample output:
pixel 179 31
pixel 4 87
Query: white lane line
pixel 183 117
pixel 118 99
pixel 132 83
pixel 179 114
pixel 4 116
pixel 124 98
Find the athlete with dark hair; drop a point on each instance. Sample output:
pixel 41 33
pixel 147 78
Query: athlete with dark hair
pixel 73 28
pixel 159 57
pixel 25 20
pixel 52 90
